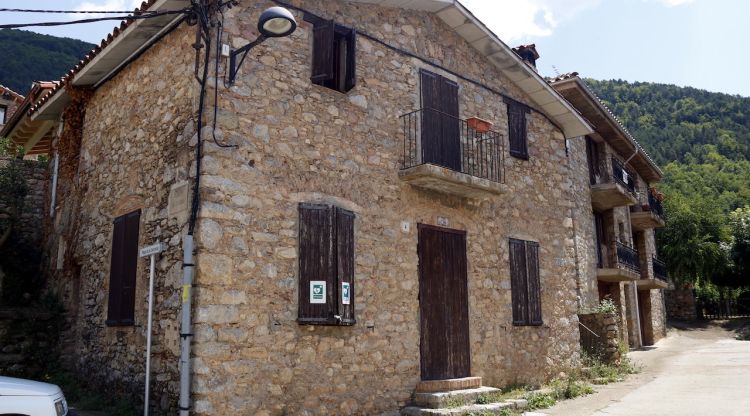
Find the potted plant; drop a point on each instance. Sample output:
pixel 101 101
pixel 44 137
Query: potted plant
pixel 478 124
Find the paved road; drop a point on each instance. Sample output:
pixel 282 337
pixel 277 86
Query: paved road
pixel 697 371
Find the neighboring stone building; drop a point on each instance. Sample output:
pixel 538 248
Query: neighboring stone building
pixel 9 102
pixel 362 231
pixel 616 219
pixel 34 135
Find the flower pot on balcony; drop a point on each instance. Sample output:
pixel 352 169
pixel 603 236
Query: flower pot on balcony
pixel 478 124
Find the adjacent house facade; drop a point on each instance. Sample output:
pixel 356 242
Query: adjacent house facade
pixel 619 212
pixel 9 102
pixel 387 199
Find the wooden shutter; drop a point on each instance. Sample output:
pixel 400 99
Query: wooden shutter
pixel 592 156
pixel 316 262
pixel 533 283
pixel 450 137
pixel 350 79
pixel 123 270
pixel 519 289
pixel 322 52
pixel 345 263
pixel 517 135
pixel 440 126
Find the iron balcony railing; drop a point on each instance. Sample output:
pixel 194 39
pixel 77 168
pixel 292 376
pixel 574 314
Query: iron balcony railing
pixel 438 138
pixel 660 269
pixel 622 177
pixel 655 205
pixel 627 258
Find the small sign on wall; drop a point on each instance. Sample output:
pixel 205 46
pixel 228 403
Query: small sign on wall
pixel 346 294
pixel 317 291
pixel 442 221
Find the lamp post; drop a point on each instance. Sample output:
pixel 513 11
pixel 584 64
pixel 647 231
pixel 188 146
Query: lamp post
pixel 274 22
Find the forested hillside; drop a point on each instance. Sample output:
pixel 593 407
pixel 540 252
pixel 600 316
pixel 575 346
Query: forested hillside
pixel 702 142
pixel 28 56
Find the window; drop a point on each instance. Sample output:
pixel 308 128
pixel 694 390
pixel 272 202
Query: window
pixel 524 281
pixel 3 110
pixel 517 129
pixel 326 265
pixel 334 57
pixel 122 271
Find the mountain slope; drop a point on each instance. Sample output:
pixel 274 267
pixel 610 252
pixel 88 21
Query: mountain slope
pixel 28 56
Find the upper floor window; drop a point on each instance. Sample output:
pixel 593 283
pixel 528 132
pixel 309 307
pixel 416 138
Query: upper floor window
pixel 2 114
pixel 334 57
pixel 121 308
pixel 517 135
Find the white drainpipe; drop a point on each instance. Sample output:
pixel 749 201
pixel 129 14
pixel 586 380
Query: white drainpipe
pixel 53 197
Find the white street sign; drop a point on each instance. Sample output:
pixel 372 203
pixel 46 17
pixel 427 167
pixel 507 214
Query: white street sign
pixel 152 249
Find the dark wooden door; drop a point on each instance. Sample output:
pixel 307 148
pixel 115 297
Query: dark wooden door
pixel 443 304
pixel 441 142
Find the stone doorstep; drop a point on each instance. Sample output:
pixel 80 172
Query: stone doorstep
pixel 429 386
pixel 492 408
pixel 437 400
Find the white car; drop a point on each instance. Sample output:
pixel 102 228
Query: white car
pixel 31 398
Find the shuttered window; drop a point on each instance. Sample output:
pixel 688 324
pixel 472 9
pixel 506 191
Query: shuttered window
pixel 524 279
pixel 441 132
pixel 121 307
pixel 517 135
pixel 326 265
pixel 334 57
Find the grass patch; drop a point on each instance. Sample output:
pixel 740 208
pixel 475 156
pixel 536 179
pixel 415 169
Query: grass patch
pixel 600 372
pixel 514 391
pixel 539 400
pixel 454 401
pixel 570 388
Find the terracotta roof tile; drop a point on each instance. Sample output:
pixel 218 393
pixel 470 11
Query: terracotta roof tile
pixel 7 91
pixel 89 57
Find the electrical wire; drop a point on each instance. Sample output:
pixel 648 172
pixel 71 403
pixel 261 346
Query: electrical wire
pixel 96 19
pixel 74 11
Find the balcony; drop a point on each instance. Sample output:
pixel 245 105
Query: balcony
pixel 624 266
pixel 659 278
pixel 446 154
pixel 647 216
pixel 616 191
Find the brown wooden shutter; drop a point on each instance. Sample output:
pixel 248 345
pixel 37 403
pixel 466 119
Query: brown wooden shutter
pixel 450 138
pixel 316 262
pixel 440 125
pixel 517 135
pixel 350 79
pixel 533 283
pixel 322 52
pixel 518 280
pixel 123 270
pixel 345 263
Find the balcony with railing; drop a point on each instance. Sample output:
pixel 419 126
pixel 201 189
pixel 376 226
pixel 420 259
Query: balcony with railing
pixel 447 154
pixel 614 190
pixel 649 215
pixel 658 278
pixel 623 265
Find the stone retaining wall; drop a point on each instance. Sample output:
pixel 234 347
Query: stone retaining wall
pixel 680 304
pixel 599 337
pixel 28 231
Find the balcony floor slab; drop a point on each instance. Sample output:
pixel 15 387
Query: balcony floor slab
pixel 606 196
pixel 646 284
pixel 444 180
pixel 645 219
pixel 617 275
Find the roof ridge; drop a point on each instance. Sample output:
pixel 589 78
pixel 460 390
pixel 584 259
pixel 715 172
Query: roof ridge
pixel 6 90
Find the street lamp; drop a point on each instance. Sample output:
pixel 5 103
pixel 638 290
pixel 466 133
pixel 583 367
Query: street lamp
pixel 274 22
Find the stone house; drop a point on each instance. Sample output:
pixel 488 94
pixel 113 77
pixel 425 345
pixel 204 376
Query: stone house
pixel 619 209
pixel 9 101
pixel 386 199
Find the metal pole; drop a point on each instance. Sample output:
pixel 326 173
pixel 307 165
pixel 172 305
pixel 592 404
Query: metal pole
pixel 186 332
pixel 148 333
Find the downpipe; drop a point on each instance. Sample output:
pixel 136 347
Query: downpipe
pixel 186 331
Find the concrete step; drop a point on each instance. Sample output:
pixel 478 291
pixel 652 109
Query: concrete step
pixel 473 409
pixel 437 400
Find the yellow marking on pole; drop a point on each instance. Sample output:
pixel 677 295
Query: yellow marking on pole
pixel 185 293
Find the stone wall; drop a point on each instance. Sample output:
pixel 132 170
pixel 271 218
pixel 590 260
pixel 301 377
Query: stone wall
pixel 600 336
pixel 680 304
pixel 134 153
pixel 27 231
pixel 300 142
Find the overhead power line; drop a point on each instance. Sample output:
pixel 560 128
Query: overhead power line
pixel 71 11
pixel 97 19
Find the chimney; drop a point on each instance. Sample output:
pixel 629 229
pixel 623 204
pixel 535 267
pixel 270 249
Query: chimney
pixel 528 53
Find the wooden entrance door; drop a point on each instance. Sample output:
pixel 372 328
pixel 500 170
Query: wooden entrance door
pixel 441 141
pixel 443 303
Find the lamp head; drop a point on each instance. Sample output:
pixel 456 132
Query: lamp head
pixel 276 22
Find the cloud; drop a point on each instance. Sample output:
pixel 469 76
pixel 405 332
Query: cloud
pixel 518 20
pixel 104 5
pixel 673 3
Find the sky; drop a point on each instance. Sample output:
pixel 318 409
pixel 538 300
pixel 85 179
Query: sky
pixel 698 43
